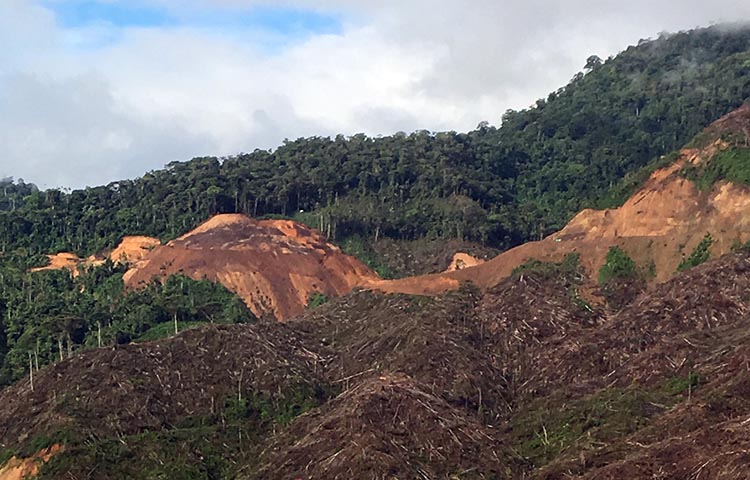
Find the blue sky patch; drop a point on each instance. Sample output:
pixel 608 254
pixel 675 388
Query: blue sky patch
pixel 83 13
pixel 288 22
pixel 283 21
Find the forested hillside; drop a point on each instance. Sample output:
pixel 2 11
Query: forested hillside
pixel 584 145
pixel 47 316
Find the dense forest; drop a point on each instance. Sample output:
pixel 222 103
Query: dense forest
pixel 49 315
pixel 581 146
pixel 585 145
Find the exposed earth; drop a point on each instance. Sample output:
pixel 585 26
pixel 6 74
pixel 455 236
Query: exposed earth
pixel 273 265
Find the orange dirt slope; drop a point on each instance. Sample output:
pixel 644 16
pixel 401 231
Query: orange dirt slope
pixel 463 260
pixel 130 250
pixel 25 468
pixel 274 265
pixel 133 248
pixel 60 261
pixel 660 224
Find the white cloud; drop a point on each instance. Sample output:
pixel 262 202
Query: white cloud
pixel 91 105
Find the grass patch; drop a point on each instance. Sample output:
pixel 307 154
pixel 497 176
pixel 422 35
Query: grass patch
pixel 166 330
pixel 681 385
pixel 699 255
pixel 317 299
pixel 544 431
pixel 732 164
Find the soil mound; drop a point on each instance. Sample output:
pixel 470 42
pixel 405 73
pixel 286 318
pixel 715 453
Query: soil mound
pixel 273 265
pixel 463 260
pixel 132 249
pixel 61 261
pixel 386 427
pixel 659 225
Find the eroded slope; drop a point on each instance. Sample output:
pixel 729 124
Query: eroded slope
pixel 273 265
pixel 658 226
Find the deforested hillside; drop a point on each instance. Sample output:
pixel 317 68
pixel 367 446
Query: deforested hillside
pixel 525 380
pixel 202 322
pixel 275 266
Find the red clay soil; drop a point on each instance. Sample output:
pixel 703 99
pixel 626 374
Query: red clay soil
pixel 661 223
pixel 273 265
pixel 463 260
pixel 130 250
pixel 27 468
pixel 61 261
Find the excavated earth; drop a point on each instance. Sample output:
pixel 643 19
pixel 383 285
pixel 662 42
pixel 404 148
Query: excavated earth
pixel 273 265
pixel 130 250
pixel 659 225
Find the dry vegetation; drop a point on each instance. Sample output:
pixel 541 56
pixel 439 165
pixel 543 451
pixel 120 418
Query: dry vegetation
pixel 526 380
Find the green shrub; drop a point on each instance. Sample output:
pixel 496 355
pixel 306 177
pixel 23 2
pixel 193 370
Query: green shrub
pixel 617 265
pixel 700 254
pixel 732 164
pixel 317 299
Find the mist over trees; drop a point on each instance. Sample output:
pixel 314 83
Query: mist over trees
pixel 496 185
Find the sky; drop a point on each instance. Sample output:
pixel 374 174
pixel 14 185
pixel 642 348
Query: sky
pixel 92 91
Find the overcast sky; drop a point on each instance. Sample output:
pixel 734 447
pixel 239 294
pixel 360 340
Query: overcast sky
pixel 93 91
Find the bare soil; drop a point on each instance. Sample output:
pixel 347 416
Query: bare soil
pixel 273 265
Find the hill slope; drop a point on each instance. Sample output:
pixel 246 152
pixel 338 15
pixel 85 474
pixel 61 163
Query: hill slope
pixel 522 381
pixel 659 225
pixel 275 266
